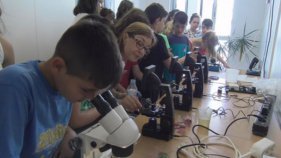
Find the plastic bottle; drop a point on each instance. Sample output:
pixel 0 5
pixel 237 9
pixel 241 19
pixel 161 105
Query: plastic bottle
pixel 132 88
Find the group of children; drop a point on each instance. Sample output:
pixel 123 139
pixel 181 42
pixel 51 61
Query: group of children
pixel 43 101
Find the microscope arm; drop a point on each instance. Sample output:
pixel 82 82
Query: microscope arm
pixel 176 69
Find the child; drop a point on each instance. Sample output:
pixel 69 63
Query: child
pixel 86 7
pixel 37 95
pixel 178 41
pixel 134 38
pixel 194 22
pixel 207 46
pixel 123 8
pixel 209 42
pixel 207 25
pixel 108 14
pixel 159 55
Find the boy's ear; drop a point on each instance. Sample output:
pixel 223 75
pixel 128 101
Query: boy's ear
pixel 58 64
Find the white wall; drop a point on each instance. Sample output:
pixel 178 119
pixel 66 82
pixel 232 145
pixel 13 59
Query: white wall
pixel 253 13
pixel 34 26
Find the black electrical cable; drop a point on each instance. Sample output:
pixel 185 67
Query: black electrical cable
pixel 193 128
pixel 201 144
pixel 238 120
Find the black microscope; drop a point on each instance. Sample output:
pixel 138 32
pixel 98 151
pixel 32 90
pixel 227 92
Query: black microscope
pixel 164 110
pixel 183 95
pixel 204 60
pixel 196 69
pixel 160 111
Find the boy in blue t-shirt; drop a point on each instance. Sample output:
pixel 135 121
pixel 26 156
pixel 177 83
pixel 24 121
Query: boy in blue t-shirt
pixel 36 96
pixel 179 43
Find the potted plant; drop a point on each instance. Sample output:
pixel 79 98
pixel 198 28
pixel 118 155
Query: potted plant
pixel 242 45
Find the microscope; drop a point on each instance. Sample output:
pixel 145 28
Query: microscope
pixel 198 80
pixel 196 69
pixel 214 66
pixel 204 60
pixel 183 96
pixel 115 130
pixel 164 110
pixel 252 68
pixel 160 111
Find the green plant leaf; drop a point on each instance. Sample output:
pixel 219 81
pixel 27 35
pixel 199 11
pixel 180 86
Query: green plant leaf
pixel 242 44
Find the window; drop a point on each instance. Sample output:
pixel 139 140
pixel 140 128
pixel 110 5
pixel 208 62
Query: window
pixel 224 17
pixel 220 11
pixel 181 5
pixel 207 9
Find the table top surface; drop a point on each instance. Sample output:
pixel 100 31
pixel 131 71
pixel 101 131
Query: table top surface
pixel 240 132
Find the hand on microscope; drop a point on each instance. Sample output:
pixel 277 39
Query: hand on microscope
pixel 129 102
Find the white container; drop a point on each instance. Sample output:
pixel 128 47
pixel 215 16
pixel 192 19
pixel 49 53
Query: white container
pixel 132 88
pixel 205 116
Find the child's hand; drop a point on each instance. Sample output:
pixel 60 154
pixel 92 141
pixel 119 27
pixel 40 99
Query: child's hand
pixel 130 103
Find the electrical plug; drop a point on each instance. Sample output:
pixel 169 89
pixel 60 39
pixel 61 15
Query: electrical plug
pixel 262 147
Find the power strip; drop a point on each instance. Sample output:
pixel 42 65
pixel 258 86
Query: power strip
pixel 243 89
pixel 261 125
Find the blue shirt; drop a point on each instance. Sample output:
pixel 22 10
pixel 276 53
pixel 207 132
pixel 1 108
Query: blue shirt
pixel 33 116
pixel 180 47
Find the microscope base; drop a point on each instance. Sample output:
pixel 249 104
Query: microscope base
pixel 183 107
pixel 156 133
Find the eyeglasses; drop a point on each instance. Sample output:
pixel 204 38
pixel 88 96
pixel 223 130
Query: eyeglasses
pixel 140 45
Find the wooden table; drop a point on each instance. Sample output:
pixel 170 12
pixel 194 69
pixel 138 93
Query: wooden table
pixel 240 132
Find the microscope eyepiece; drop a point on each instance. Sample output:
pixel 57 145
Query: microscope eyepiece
pixel 110 98
pixel 102 106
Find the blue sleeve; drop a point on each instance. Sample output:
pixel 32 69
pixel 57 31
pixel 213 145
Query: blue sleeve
pixel 13 118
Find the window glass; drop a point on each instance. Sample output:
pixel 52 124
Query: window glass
pixel 181 5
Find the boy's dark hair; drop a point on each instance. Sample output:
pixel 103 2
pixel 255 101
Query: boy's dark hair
pixel 134 15
pixel 194 15
pixel 123 8
pixel 155 11
pixel 208 23
pixel 105 11
pixel 90 51
pixel 96 17
pixel 181 18
pixel 172 14
pixel 86 6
